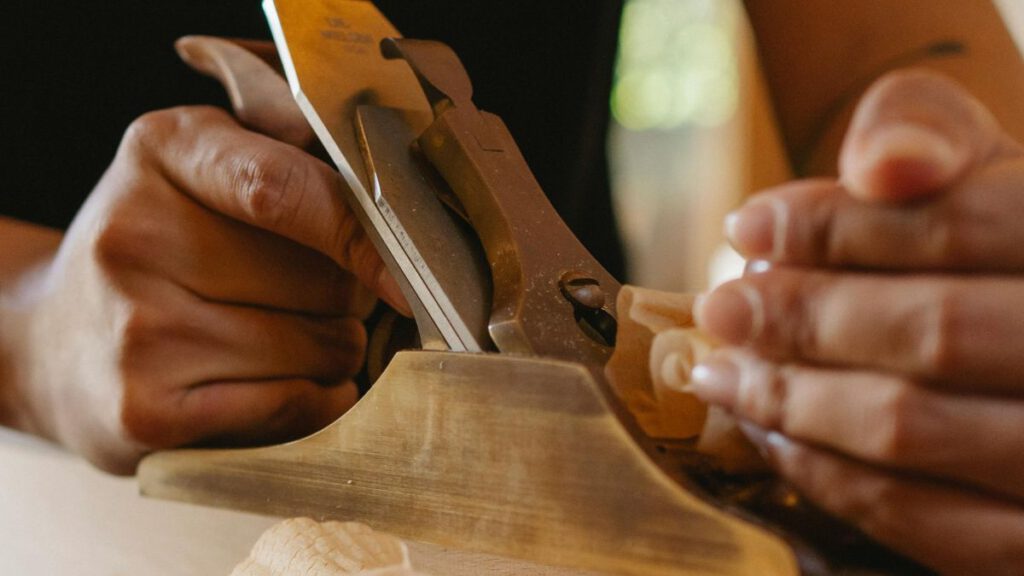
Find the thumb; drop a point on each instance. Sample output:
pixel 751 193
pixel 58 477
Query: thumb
pixel 914 134
pixel 263 103
pixel 259 94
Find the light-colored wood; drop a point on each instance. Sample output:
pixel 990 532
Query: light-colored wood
pixel 658 346
pixel 490 453
pixel 672 355
pixel 661 411
pixel 304 547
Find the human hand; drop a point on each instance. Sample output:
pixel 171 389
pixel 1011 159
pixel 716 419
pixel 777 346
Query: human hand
pixel 202 295
pixel 879 355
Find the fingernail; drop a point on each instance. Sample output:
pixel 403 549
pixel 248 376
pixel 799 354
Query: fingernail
pixel 733 313
pixel 754 267
pixel 392 293
pixel 913 141
pixel 769 443
pixel 716 381
pixel 757 230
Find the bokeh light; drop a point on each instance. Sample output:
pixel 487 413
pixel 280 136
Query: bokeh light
pixel 677 65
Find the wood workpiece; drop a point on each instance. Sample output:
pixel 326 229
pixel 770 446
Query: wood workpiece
pixel 303 547
pixel 658 345
pixel 661 410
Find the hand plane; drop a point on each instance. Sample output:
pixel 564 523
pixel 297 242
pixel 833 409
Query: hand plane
pixel 501 434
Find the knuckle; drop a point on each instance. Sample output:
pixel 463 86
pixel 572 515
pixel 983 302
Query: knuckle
pixel 144 331
pixel 806 310
pixel 831 238
pixel 123 243
pixel 340 285
pixel 349 337
pixel 815 476
pixel 936 333
pixel 877 506
pixel 966 228
pixel 899 414
pixel 365 260
pixel 346 241
pixel 825 227
pixel 295 416
pixel 764 393
pixel 787 307
pixel 288 413
pixel 358 341
pixel 141 420
pixel 863 500
pixel 941 237
pixel 807 338
pixel 270 188
pixel 152 129
pixel 291 414
pixel 149 415
pixel 143 423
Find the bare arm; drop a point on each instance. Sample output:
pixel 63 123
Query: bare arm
pixel 819 57
pixel 25 249
pixel 25 246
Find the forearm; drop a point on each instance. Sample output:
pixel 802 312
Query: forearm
pixel 24 249
pixel 818 57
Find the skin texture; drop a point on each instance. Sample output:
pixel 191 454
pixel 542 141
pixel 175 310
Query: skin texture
pixel 877 352
pixel 201 296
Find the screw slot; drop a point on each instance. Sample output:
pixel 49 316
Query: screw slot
pixel 585 292
pixel 588 301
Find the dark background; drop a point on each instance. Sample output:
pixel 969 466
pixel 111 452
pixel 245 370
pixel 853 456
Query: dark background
pixel 75 74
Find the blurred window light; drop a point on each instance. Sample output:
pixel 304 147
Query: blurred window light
pixel 677 65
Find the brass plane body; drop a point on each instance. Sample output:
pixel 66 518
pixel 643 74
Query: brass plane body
pixel 513 456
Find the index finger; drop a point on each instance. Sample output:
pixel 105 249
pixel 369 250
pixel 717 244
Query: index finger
pixel 975 226
pixel 965 333
pixel 261 182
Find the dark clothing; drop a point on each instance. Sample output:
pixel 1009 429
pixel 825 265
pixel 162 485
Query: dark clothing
pixel 77 73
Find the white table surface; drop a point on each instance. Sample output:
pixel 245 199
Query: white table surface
pixel 60 516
